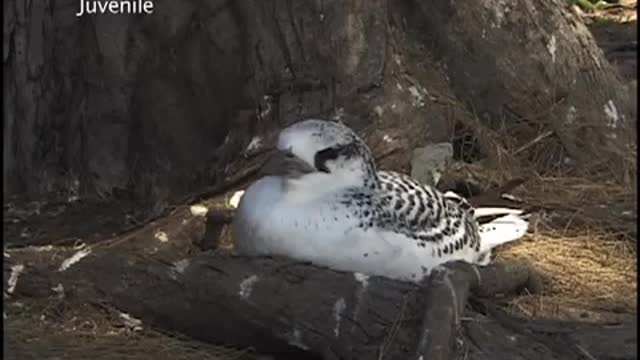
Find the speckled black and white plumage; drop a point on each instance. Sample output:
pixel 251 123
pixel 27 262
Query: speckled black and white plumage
pixel 418 212
pixel 428 213
pixel 349 216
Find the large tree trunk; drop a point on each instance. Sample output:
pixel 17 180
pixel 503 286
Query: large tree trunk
pixel 165 103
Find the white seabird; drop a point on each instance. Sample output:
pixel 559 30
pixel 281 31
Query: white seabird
pixel 323 201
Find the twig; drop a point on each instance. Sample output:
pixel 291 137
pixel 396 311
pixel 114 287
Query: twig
pixel 226 185
pixel 585 352
pixel 533 142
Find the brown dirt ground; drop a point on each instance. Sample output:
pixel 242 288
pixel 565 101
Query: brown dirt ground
pixel 37 330
pixel 616 31
pixel 586 252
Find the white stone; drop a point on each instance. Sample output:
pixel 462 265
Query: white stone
pixel 131 322
pixel 234 201
pixel 429 162
pixel 161 236
pixel 199 210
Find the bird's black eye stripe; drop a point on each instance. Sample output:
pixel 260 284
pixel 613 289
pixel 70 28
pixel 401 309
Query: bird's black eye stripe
pixel 321 157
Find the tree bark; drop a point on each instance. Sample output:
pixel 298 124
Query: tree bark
pixel 295 310
pixel 526 61
pixel 166 104
pixel 274 305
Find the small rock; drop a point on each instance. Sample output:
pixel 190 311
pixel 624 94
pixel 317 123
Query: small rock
pixel 199 210
pixel 161 236
pixel 131 322
pixel 235 199
pixel 429 163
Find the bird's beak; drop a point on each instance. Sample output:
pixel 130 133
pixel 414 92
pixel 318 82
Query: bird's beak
pixel 284 163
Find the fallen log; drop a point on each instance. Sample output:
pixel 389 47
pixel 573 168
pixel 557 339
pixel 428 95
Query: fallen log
pixel 276 305
pixel 288 308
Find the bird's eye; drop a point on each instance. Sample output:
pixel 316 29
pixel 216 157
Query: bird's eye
pixel 323 156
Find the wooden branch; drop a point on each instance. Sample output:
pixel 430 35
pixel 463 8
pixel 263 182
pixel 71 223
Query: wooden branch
pixel 274 305
pixel 282 307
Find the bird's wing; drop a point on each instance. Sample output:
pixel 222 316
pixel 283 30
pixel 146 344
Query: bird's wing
pixel 427 214
pixel 436 216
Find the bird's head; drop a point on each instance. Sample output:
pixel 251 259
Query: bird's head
pixel 319 151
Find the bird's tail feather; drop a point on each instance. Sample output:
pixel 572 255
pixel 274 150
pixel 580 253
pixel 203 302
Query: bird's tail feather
pixel 502 230
pixel 493 211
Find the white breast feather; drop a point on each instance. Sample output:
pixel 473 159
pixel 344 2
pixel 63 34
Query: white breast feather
pixel 302 225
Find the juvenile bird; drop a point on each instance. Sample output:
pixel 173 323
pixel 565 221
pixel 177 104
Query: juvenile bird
pixel 323 201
